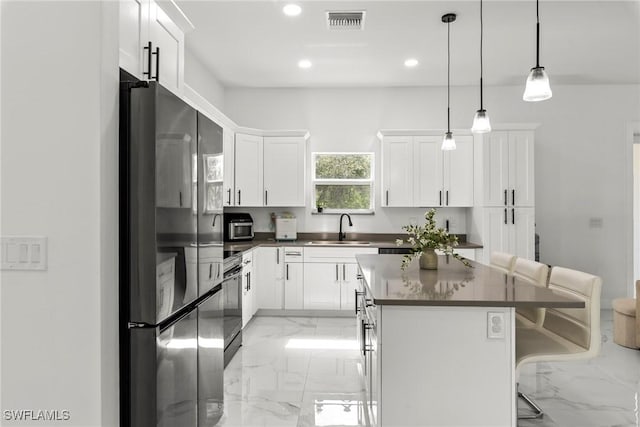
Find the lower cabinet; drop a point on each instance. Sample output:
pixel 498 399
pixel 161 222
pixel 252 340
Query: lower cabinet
pixel 508 229
pixel 293 278
pixel 249 303
pixel 269 273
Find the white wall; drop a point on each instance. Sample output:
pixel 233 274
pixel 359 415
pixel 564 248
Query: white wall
pixel 200 79
pixel 583 163
pixel 58 144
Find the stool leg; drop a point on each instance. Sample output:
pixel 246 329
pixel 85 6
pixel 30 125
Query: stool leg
pixel 537 411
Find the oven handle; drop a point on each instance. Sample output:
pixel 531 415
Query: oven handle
pixel 234 274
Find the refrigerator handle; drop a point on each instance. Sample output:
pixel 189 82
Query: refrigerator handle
pixel 157 54
pixel 238 197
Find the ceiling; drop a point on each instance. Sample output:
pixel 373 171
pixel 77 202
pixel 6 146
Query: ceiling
pixel 253 44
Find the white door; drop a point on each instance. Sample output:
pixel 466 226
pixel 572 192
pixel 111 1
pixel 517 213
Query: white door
pixel 521 165
pixel 248 170
pixel 293 286
pixel 284 171
pixel 168 66
pixel 349 285
pixel 496 235
pixel 134 34
pixel 397 171
pixel 229 167
pixel 496 168
pixel 427 164
pixel 458 173
pixel 523 229
pixel 268 278
pixel 322 286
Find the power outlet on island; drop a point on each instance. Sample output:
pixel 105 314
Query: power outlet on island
pixel 495 325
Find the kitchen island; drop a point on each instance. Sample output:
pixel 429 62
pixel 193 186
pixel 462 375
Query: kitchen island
pixel 438 346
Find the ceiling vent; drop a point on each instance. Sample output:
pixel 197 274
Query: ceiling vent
pixel 345 20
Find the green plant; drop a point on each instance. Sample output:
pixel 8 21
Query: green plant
pixel 428 236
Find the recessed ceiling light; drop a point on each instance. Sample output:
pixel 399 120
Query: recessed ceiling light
pixel 304 63
pixel 292 10
pixel 411 62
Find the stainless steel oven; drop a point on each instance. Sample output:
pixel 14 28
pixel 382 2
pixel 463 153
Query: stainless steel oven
pixel 232 287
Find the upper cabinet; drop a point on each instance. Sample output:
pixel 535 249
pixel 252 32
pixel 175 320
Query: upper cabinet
pixel 269 170
pixel 152 44
pixel 508 168
pixel 416 172
pixel 229 167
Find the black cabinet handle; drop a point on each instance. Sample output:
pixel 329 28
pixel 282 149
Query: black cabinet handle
pixel 277 255
pixel 287 272
pixel 336 272
pixel 513 197
pixel 249 273
pixel 180 195
pixel 387 197
pixel 440 192
pixel 505 215
pixel 447 197
pixel 266 198
pixel 363 336
pixel 229 194
pixel 157 54
pixel 210 270
pixel 148 72
pixel 513 216
pixel 344 274
pixel 505 197
pixel 238 197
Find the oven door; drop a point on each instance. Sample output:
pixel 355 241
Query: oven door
pixel 232 287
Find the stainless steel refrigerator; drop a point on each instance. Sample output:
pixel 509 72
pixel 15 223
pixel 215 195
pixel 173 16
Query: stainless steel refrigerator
pixel 171 253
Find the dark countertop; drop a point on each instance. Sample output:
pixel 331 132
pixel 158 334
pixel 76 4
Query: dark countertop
pixel 452 284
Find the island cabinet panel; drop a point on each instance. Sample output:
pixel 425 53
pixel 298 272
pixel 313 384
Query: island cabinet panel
pixel 449 352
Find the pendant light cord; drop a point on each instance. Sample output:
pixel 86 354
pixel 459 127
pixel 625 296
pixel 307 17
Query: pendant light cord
pixel 537 36
pixel 448 74
pixel 481 68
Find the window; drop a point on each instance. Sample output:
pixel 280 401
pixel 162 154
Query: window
pixel 343 182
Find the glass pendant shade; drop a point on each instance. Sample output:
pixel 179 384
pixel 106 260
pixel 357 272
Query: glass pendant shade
pixel 449 142
pixel 537 88
pixel 481 123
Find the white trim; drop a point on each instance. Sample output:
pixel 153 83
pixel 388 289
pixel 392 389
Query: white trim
pixel 201 104
pixel 176 14
pixel 431 132
pixel 301 133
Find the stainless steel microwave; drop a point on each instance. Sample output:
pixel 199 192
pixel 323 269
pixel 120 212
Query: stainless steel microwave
pixel 238 226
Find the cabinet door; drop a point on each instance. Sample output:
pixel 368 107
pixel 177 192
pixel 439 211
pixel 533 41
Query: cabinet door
pixel 428 171
pixel 397 171
pixel 349 285
pixel 134 34
pixel 168 37
pixel 458 173
pixel 322 286
pixel 522 233
pixel 521 173
pixel 247 297
pixel 293 286
pixel 248 173
pixel 496 168
pixel 284 171
pixel 269 267
pixel 496 237
pixel 229 167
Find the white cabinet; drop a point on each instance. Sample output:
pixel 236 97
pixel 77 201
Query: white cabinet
pixel 248 298
pixel 293 278
pixel 269 273
pixel 416 172
pixel 284 171
pixel 151 44
pixel 508 169
pixel 510 230
pixel 248 170
pixel 228 137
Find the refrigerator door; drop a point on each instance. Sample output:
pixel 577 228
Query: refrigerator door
pixel 210 360
pixel 163 372
pixel 162 204
pixel 210 198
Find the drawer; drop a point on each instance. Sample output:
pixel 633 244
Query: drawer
pixel 293 254
pixel 166 269
pixel 339 255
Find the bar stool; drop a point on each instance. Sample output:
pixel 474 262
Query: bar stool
pixel 626 323
pixel 502 261
pixel 536 274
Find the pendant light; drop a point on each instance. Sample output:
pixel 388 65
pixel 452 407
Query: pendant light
pixel 448 143
pixel 537 88
pixel 481 123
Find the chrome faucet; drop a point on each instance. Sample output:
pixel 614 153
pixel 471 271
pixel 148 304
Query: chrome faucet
pixel 341 235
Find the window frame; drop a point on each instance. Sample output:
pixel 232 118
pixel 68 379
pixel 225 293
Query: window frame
pixel 339 181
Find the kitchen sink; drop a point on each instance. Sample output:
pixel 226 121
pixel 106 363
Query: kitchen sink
pixel 339 242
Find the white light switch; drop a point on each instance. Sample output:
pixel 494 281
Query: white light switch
pixel 24 252
pixel 495 325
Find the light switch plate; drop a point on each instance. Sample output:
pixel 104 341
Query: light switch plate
pixel 23 252
pixel 495 325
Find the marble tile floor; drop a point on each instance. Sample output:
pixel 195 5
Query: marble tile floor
pixel 300 371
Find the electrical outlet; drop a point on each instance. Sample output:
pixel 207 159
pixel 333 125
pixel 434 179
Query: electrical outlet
pixel 495 325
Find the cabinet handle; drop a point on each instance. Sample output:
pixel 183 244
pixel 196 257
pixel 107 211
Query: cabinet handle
pixel 287 272
pixel 505 215
pixel 336 272
pixel 277 256
pixel 210 270
pixel 513 197
pixel 180 194
pixel 440 197
pixel 446 225
pixel 513 216
pixel 229 194
pixel 157 54
pixel 447 197
pixel 363 336
pixel 387 197
pixel 356 305
pixel 249 274
pixel 266 198
pixel 344 274
pixel 238 197
pixel 505 197
pixel 148 72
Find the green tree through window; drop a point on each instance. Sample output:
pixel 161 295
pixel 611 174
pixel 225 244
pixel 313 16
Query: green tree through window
pixel 343 181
